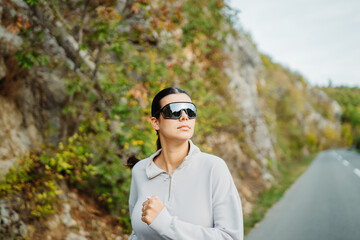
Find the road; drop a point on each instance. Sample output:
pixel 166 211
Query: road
pixel 323 204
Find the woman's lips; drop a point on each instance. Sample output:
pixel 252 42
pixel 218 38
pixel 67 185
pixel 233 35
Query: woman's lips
pixel 184 127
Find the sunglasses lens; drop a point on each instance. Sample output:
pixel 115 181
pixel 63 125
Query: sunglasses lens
pixel 174 110
pixel 191 112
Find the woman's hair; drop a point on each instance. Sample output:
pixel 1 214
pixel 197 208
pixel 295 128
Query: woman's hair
pixel 155 106
pixel 155 112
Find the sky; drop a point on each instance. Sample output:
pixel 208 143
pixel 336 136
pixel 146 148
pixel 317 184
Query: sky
pixel 320 39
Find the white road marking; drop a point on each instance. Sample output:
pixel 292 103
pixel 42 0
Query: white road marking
pixel 346 163
pixel 357 172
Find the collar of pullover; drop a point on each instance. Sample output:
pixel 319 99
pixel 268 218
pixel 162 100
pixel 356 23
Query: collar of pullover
pixel 153 171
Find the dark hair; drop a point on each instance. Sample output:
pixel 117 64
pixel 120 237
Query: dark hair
pixel 155 112
pixel 155 106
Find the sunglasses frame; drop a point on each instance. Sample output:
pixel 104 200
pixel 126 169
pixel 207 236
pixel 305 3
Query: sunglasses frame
pixel 182 109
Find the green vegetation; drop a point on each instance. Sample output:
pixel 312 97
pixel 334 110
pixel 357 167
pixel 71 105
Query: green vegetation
pixel 349 100
pixel 32 2
pixel 288 102
pixel 27 59
pixel 106 118
pixel 32 185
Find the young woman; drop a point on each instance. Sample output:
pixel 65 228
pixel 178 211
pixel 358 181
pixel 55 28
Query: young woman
pixel 180 192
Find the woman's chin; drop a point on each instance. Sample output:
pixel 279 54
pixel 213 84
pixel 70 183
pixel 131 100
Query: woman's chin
pixel 183 135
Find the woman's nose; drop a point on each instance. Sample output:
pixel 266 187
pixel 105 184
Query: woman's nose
pixel 184 116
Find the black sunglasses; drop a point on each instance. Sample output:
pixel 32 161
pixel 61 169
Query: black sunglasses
pixel 174 110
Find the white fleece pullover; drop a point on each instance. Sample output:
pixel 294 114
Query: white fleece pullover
pixel 200 198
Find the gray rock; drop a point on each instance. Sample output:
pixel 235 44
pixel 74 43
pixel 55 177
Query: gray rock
pixel 20 3
pixel 120 5
pixel 10 223
pixel 66 216
pixel 74 236
pixel 23 230
pixel 9 43
pixel 4 212
pixel 1 11
pixel 242 71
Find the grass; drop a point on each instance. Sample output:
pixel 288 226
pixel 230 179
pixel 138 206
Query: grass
pixel 289 173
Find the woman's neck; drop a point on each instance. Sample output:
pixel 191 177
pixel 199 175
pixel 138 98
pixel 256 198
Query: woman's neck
pixel 172 155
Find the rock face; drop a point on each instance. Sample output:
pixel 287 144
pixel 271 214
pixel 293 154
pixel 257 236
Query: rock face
pixel 11 226
pixel 31 103
pixel 15 138
pixel 242 70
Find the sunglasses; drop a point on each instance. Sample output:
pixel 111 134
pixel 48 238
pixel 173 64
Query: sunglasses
pixel 174 110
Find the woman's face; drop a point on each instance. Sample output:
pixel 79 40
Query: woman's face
pixel 174 129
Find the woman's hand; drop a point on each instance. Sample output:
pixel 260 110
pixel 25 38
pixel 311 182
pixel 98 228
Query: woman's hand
pixel 151 209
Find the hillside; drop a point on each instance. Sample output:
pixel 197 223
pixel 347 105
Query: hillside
pixel 349 99
pixel 76 81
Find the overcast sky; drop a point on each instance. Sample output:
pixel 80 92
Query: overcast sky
pixel 318 38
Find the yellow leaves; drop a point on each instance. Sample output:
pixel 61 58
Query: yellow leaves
pixel 137 142
pixel 346 132
pixel 52 162
pixel 61 146
pixel 91 169
pixel 331 134
pixel 63 165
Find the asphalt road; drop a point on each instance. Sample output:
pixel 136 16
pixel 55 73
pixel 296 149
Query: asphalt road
pixel 323 204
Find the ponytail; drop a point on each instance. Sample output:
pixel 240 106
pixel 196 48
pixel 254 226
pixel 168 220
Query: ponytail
pixel 132 161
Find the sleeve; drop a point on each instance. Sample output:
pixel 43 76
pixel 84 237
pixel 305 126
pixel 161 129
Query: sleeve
pixel 132 201
pixel 228 218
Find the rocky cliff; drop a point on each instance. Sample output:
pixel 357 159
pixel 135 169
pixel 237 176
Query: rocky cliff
pixel 63 63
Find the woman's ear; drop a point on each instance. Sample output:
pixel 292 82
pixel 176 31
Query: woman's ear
pixel 155 123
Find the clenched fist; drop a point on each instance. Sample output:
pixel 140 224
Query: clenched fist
pixel 151 209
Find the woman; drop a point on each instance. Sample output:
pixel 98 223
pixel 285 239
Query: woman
pixel 180 192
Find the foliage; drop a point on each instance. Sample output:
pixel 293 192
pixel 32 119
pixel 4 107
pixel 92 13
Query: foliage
pixel 107 114
pixel 288 105
pixel 284 100
pixel 106 118
pixel 346 132
pixel 349 100
pixel 203 20
pixel 357 139
pixel 32 2
pixel 33 184
pixel 31 53
pixel 27 59
pixel 311 141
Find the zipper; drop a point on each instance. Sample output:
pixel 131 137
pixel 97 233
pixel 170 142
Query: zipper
pixel 169 187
